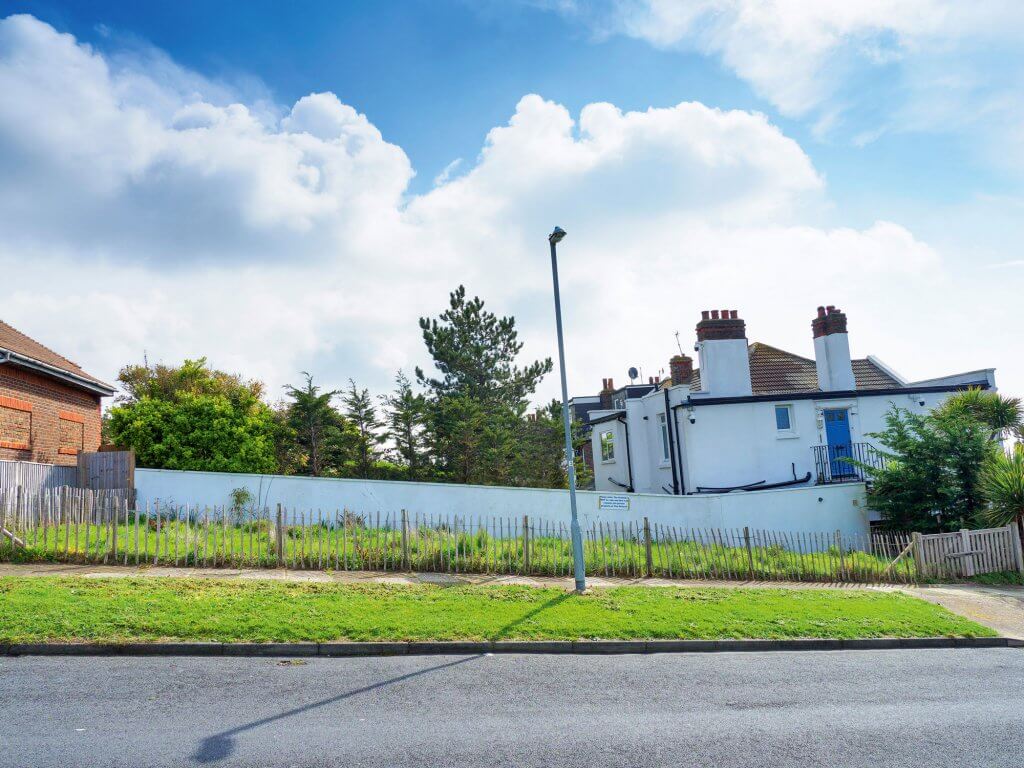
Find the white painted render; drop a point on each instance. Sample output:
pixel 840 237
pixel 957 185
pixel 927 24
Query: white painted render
pixel 832 359
pixel 724 367
pixel 736 443
pixel 724 445
pixel 797 510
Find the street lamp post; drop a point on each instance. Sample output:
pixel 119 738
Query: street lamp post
pixel 574 529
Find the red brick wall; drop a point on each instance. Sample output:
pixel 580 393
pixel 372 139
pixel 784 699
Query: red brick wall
pixel 42 419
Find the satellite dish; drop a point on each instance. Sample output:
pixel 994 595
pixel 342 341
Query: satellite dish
pixel 633 373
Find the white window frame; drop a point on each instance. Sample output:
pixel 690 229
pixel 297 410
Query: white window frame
pixel 663 427
pixel 784 433
pixel 609 457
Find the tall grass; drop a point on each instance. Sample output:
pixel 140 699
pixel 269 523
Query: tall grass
pixel 218 538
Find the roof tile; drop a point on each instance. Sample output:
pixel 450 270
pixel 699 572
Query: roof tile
pixel 13 340
pixel 774 371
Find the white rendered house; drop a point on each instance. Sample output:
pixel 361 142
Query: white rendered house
pixel 753 416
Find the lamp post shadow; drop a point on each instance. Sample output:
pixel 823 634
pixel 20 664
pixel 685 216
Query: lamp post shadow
pixel 221 745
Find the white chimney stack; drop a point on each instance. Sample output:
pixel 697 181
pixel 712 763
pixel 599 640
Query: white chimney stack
pixel 724 360
pixel 832 351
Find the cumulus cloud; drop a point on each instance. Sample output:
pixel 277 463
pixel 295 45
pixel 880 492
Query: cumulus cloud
pixel 133 160
pixel 146 210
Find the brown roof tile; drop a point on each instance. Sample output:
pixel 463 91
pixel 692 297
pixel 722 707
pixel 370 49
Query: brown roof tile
pixel 13 340
pixel 775 371
pixel 870 376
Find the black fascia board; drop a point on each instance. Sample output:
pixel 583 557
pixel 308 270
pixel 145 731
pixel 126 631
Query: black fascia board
pixel 836 395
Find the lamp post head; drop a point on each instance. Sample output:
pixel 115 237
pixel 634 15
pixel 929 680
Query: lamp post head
pixel 557 235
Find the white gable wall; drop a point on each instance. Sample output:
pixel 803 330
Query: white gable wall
pixel 609 472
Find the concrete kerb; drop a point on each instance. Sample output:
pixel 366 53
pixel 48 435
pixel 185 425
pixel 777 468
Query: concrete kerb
pixel 342 649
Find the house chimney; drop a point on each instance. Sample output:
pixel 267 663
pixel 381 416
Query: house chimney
pixel 722 348
pixel 606 394
pixel 680 369
pixel 832 351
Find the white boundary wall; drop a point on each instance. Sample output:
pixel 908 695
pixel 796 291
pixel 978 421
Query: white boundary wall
pixel 797 510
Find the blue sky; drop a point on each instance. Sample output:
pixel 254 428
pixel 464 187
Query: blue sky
pixel 433 75
pixel 436 75
pixel 903 115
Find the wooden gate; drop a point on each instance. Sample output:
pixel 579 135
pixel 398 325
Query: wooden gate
pixel 968 553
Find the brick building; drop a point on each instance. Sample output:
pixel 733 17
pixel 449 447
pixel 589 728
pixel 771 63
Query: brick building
pixel 49 407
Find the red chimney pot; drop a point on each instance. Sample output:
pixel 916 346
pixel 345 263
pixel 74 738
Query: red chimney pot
pixel 830 320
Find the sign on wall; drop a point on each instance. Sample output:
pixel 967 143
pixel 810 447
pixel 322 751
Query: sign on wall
pixel 613 502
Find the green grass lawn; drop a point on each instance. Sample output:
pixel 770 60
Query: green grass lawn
pixel 122 609
pixel 998 579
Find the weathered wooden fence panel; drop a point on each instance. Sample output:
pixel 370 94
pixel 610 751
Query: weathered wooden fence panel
pixel 35 477
pixel 968 553
pixel 106 470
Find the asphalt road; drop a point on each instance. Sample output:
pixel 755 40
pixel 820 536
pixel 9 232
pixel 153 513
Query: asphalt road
pixel 880 708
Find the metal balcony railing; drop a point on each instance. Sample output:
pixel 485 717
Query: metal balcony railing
pixel 845 463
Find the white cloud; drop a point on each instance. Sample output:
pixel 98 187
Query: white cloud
pixel 126 156
pixel 892 60
pixel 783 47
pixel 446 173
pixel 138 213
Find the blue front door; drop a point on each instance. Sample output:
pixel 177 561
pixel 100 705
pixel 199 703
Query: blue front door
pixel 840 447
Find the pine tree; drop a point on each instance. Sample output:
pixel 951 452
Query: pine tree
pixel 360 411
pixel 478 402
pixel 405 417
pixel 320 434
pixel 475 351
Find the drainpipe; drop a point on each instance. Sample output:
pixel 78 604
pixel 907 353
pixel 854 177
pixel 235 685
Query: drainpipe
pixel 679 451
pixel 669 424
pixel 629 459
pixel 675 412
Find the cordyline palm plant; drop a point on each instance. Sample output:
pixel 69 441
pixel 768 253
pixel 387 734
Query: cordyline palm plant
pixel 1002 484
pixel 1001 414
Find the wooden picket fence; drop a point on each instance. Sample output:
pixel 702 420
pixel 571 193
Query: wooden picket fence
pixel 76 525
pixel 968 553
pixel 84 525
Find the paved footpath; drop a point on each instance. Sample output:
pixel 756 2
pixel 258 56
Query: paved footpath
pixel 935 708
pixel 1001 608
pixel 363 577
